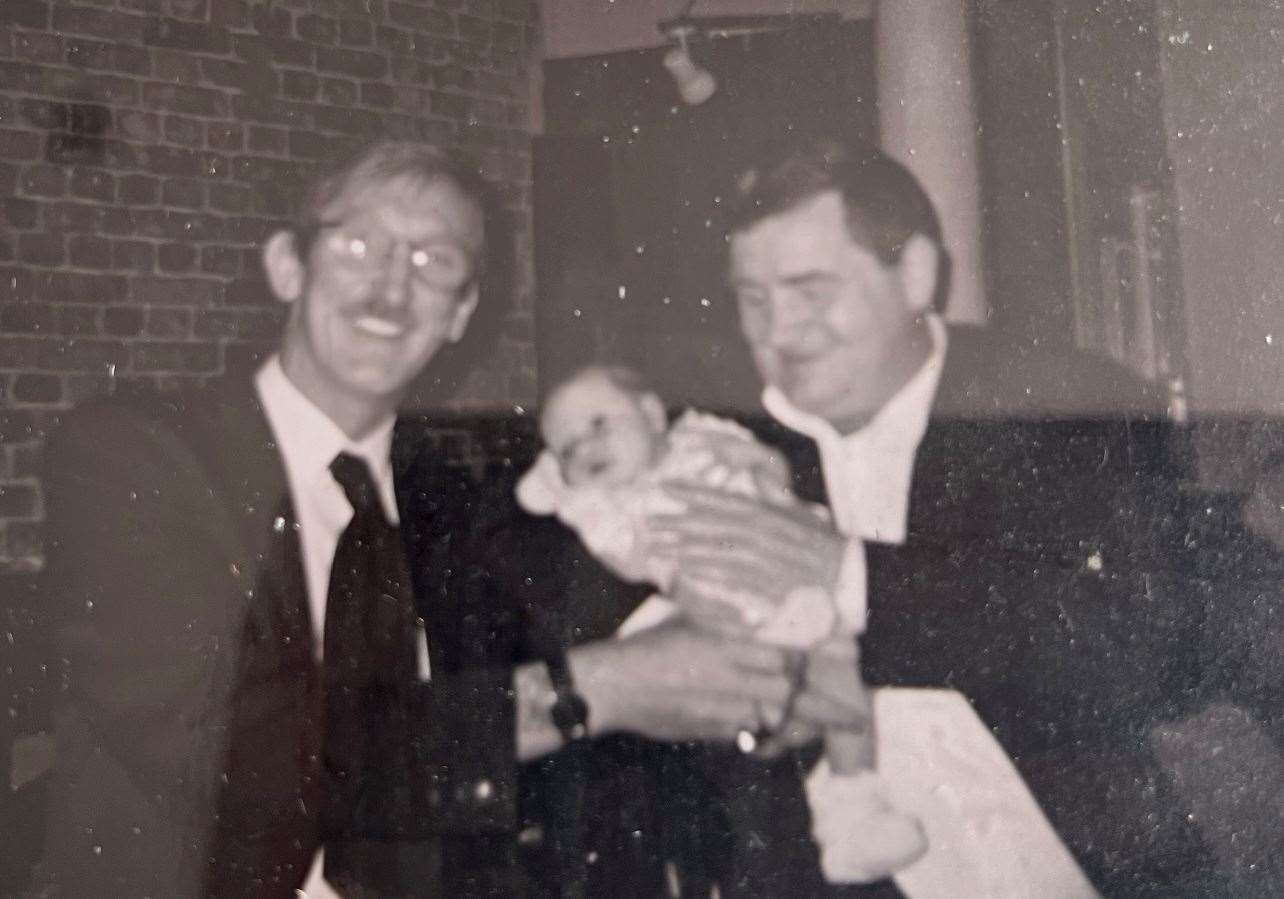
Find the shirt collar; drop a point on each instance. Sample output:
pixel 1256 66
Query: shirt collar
pixel 309 440
pixel 903 418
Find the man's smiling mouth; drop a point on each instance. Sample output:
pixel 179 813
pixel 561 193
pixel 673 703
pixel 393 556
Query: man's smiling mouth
pixel 378 327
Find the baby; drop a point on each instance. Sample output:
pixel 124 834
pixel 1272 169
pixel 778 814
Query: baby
pixel 609 453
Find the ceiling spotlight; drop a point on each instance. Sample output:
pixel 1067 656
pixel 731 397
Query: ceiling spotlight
pixel 695 84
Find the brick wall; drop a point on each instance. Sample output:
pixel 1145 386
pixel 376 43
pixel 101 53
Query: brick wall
pixel 146 147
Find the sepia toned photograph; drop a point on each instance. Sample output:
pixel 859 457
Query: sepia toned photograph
pixel 641 449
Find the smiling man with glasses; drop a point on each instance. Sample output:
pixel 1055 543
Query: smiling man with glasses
pixel 284 671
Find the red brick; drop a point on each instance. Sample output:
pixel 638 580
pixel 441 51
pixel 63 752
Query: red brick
pixel 35 46
pixel 133 255
pixel 185 193
pixel 251 230
pixel 123 321
pixel 26 13
pixel 142 127
pixel 82 354
pixel 19 353
pixel 184 131
pixel 420 18
pixel 239 75
pixel 139 190
pixel 516 10
pixel 41 248
pixel 267 140
pixel 339 91
pixel 175 66
pixel 221 136
pixel 29 318
pixel 239 324
pixel 20 76
pixel 175 357
pixel 73 149
pixel 181 98
pixel 394 40
pixel 357 63
pixel 19 500
pixel 16 284
pixel 190 291
pixel 93 184
pixel 299 85
pixel 229 197
pixel 317 30
pixel 30 388
pixel 99 23
pixel 84 53
pixel 356 32
pixel 375 93
pixel 15 213
pixel 162 160
pixel 89 251
pixel 176 257
pixel 44 114
pixel 169 322
pixel 360 122
pixel 78 320
pixel 26 460
pixel 193 37
pixel 230 13
pixel 474 32
pixel 164 223
pixel 275 200
pixel 250 291
pixel 258 169
pixel 267 109
pixel 19 144
pixel 269 51
pixel 74 287
pixel 192 9
pixel 220 260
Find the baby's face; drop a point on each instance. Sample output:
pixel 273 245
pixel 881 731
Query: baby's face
pixel 600 433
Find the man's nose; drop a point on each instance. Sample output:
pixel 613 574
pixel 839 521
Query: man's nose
pixel 786 321
pixel 394 290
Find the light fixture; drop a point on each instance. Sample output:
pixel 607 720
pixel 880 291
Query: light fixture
pixel 695 84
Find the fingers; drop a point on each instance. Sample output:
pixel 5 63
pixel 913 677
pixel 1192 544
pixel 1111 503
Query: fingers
pixel 841 713
pixel 725 602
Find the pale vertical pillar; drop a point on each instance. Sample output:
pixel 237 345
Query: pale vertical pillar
pixel 927 120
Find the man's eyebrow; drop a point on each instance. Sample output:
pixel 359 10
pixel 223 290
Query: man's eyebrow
pixel 810 276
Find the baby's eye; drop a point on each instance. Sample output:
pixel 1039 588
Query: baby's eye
pixel 598 424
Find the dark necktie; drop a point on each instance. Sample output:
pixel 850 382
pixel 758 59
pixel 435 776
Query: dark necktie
pixel 368 662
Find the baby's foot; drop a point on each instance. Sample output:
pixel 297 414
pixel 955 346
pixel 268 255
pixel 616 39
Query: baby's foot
pixel 862 838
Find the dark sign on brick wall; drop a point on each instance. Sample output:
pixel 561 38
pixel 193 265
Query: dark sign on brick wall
pixel 147 147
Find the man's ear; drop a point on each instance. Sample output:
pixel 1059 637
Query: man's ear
pixel 918 267
pixel 464 310
pixel 283 266
pixel 653 409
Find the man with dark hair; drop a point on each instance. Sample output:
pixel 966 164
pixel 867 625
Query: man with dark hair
pixel 994 514
pixel 261 665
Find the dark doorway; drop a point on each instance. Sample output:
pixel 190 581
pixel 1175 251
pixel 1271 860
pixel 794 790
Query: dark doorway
pixel 629 185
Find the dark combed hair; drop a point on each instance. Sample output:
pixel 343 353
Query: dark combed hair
pixel 885 204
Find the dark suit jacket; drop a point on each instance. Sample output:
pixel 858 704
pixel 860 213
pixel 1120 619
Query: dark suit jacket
pixel 172 559
pixel 1043 577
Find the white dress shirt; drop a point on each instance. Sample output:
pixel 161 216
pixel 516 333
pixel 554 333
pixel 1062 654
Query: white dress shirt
pixel 308 441
pixel 987 837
